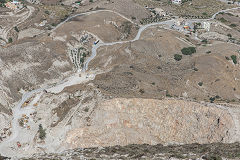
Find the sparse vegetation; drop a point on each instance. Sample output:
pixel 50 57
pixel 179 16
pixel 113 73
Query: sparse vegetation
pixel 223 20
pixel 2 3
pixel 229 35
pixel 126 28
pixel 168 94
pixel 20 122
pixel 47 12
pixel 212 157
pixel 230 14
pixel 86 109
pixel 195 69
pixel 134 18
pixel 141 91
pixel 205 41
pixel 204 14
pixel 213 151
pixel 42 132
pixel 212 99
pixel 128 69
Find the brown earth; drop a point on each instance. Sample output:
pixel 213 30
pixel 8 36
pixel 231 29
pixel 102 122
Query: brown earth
pixel 231 19
pixel 108 26
pixel 194 8
pixel 146 68
pixel 30 64
pixel 127 8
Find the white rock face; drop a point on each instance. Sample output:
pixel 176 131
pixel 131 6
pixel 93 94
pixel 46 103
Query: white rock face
pixel 213 36
pixel 138 121
pixel 4 126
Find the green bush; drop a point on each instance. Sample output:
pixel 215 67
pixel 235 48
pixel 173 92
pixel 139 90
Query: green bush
pixel 82 60
pixel 212 99
pixel 168 94
pixel 10 40
pixel 177 57
pixel 16 29
pixel 234 59
pixel 200 83
pixel 233 25
pixel 205 41
pixel 204 13
pixel 47 12
pixel 188 51
pixel 42 132
pixel 229 35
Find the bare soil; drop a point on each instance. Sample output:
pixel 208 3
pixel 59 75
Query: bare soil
pixel 146 68
pixel 108 26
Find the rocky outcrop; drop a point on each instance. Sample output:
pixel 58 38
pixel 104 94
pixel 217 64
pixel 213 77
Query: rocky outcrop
pixel 214 36
pixel 138 121
pixel 26 66
pixel 215 151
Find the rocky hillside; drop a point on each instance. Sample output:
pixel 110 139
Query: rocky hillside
pixel 215 151
pixel 102 79
pixel 139 121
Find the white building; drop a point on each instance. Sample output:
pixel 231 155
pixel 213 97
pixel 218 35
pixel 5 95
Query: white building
pixel 160 12
pixel 179 21
pixel 15 2
pixel 206 26
pixel 176 1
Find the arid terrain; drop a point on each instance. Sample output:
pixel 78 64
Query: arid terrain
pixel 119 79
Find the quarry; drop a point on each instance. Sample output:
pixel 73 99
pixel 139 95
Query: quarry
pixel 119 79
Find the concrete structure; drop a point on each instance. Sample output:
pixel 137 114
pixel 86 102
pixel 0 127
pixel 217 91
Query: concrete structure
pixel 160 12
pixel 179 21
pixel 177 1
pixel 15 2
pixel 14 5
pixel 206 26
pixel 11 5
